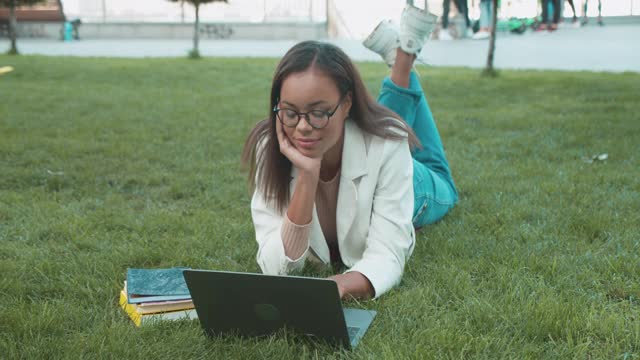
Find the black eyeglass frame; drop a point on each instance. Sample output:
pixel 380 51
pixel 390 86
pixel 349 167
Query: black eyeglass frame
pixel 328 114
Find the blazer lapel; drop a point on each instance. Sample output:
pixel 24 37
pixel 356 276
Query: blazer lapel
pixel 354 166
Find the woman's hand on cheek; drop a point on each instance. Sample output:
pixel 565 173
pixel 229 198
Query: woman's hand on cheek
pixel 300 161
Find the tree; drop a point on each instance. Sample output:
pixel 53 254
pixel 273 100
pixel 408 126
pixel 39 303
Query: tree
pixel 13 23
pixel 195 53
pixel 489 69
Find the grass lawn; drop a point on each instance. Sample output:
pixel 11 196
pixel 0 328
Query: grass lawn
pixel 112 163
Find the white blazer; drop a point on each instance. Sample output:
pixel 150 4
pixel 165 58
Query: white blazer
pixel 373 216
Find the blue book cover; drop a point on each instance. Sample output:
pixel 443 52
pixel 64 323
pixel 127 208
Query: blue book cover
pixel 160 284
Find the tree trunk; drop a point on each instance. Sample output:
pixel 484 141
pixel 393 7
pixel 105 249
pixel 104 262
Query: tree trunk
pixel 60 5
pixel 489 70
pixel 182 11
pixel 196 30
pixel 13 27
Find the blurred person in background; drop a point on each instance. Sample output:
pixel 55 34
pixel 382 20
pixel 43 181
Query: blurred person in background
pixel 585 19
pixel 545 24
pixel 573 8
pixel 486 17
pixel 463 9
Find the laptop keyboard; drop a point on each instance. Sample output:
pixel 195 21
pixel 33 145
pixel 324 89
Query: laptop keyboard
pixel 353 331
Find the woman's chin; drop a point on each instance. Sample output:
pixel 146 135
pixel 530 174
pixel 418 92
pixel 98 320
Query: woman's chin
pixel 312 153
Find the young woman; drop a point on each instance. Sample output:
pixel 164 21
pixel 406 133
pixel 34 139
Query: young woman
pixel 585 19
pixel 486 17
pixel 545 24
pixel 335 179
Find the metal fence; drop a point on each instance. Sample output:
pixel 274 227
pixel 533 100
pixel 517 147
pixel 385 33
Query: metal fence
pixel 167 11
pixel 300 10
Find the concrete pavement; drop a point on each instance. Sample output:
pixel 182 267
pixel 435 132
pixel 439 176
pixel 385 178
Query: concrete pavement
pixel 614 48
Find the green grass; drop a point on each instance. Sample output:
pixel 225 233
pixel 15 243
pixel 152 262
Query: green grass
pixel 107 164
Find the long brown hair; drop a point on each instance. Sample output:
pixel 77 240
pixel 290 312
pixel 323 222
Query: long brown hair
pixel 269 170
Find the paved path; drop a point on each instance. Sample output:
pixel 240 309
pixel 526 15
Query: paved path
pixel 610 48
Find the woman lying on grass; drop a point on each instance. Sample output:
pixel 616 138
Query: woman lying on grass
pixel 335 179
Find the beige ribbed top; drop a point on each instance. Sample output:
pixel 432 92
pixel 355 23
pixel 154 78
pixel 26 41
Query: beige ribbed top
pixel 296 237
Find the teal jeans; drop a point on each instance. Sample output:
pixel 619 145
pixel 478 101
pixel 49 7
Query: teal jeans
pixel 434 190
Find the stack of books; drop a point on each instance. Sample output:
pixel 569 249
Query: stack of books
pixel 151 295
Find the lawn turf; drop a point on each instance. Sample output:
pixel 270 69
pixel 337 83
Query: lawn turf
pixel 113 163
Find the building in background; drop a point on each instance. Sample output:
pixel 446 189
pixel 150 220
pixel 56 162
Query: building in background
pixel 51 10
pixel 344 18
pixel 256 19
pixel 252 11
pixel 34 21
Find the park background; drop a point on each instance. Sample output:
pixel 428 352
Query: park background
pixel 121 152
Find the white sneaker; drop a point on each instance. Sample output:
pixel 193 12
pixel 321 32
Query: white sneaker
pixel 469 33
pixel 481 35
pixel 384 40
pixel 445 35
pixel 415 27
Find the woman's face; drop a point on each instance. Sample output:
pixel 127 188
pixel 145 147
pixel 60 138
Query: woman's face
pixel 308 91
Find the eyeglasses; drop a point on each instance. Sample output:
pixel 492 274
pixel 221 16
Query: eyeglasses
pixel 318 119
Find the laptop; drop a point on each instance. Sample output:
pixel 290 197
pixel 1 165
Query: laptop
pixel 248 304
